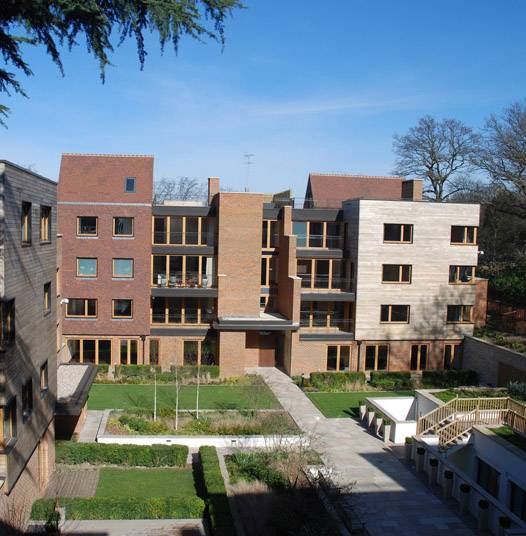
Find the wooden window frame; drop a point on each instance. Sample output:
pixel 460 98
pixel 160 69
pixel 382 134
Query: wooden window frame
pixel 183 299
pixel 91 235
pixel 419 356
pixel 118 317
pixel 129 342
pixel 117 276
pixel 81 347
pixel 338 357
pixel 400 275
pixel 347 316
pixel 47 298
pixel 323 235
pixel 470 321
pixel 267 261
pixel 376 352
pixel 202 241
pixel 314 276
pixel 44 378
pixel 114 227
pixel 457 280
pixel 390 314
pixel 465 233
pixel 157 341
pixel 96 267
pixel 200 273
pixel 402 229
pixel 8 414
pixel 26 217
pixel 265 243
pixel 453 346
pixel 85 315
pixel 45 224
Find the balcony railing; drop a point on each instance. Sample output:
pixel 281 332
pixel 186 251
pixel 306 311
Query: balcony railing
pixel 176 318
pixel 321 322
pixel 180 280
pixel 183 239
pixel 324 282
pixel 316 241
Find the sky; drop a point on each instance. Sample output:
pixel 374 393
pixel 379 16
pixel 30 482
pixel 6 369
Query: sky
pixel 303 85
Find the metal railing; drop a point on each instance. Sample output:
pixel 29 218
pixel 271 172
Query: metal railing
pixel 180 280
pixel 189 238
pixel 324 282
pixel 316 241
pixel 321 322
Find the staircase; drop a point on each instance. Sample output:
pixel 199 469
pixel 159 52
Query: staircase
pixel 452 422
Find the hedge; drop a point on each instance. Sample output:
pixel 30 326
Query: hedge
pixel 72 453
pixel 391 380
pixel 126 508
pixel 216 498
pixel 336 381
pixel 448 378
pixel 145 373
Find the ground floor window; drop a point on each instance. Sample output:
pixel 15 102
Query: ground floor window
pixel 204 351
pixel 452 355
pixel 419 355
pixel 8 421
pixel 376 356
pixel 338 358
pixel 154 351
pixel 488 478
pixel 96 351
pixel 518 501
pixel 128 351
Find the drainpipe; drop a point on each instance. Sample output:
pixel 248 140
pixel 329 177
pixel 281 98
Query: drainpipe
pixel 143 338
pixel 358 356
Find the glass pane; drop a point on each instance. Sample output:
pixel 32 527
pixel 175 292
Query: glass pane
pixel 74 350
pixel 205 239
pixel 320 310
pixel 273 270
pixel 176 230
pixel 159 231
pixel 334 239
pixel 174 310
pixel 406 273
pixel 382 357
pixel 209 351
pixel 391 273
pixel 264 281
pixel 175 276
pixel 370 352
pixel 465 274
pixel 124 226
pixel 470 235
pixel 447 356
pixel 87 267
pixel 304 271
pixel 192 227
pixel 322 274
pixel 207 310
pixel 123 267
pixel 190 310
pixel 392 232
pixel 207 272
pixel 337 314
pixel 345 352
pixel 75 307
pixel 384 313
pixel 105 351
pixel 332 357
pixel 457 234
pixel 124 351
pixel 408 233
pixel 466 313
pixel 423 356
pixel 299 228
pixel 399 313
pixel 414 357
pixel 130 184
pixel 88 225
pixel 453 313
pixel 453 274
pixel 122 308
pixel 159 270
pixel 192 271
pixel 316 235
pixel 337 274
pixel 190 352
pixel 264 230
pixel 133 352
pixel 158 310
pixel 89 351
pixel 154 351
pixel 92 307
pixel 305 313
pixel 274 234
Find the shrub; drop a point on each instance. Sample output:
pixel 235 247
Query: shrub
pixel 217 501
pixel 258 466
pixel 145 373
pixel 517 390
pixel 122 508
pixel 143 426
pixel 71 453
pixel 391 381
pixel 337 381
pixel 448 378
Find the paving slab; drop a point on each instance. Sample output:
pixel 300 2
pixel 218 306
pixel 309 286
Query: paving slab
pixel 91 426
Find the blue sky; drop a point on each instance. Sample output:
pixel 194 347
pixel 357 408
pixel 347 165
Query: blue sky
pixel 304 85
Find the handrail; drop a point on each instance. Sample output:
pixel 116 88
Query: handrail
pixel 428 421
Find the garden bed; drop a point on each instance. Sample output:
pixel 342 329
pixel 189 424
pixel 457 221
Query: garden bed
pixel 483 392
pixel 507 433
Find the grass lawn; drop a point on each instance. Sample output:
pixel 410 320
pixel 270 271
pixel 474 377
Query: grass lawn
pixel 346 404
pixel 145 483
pixel 450 394
pixel 129 397
pixel 509 435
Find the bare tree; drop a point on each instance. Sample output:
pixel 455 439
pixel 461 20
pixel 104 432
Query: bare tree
pixel 181 188
pixel 440 152
pixel 503 157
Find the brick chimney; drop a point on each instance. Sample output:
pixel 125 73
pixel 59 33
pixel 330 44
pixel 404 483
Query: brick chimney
pixel 412 189
pixel 213 188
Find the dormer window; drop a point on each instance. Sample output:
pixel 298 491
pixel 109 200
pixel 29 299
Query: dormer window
pixel 129 185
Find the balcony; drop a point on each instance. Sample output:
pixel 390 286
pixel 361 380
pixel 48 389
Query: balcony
pixel 165 238
pixel 186 280
pixel 323 282
pixel 319 241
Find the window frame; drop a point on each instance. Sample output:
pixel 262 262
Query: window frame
pixel 120 276
pixel 419 367
pixel 118 317
pixel 402 232
pixel 126 179
pixel 390 313
pixel 458 268
pixel 465 235
pixel 461 321
pixel 376 354
pixel 89 276
pixel 339 357
pixel 47 298
pixel 129 345
pixel 88 235
pixel 7 323
pixel 9 416
pixel 309 305
pixel 201 302
pixel 454 358
pixel 26 223
pixel 85 315
pixel 325 238
pixel 28 402
pixel 332 283
pixel 203 229
pixel 267 236
pixel 114 227
pixel 400 280
pixel 184 258
pixel 154 342
pixel 44 379
pixel 45 224
pixel 97 348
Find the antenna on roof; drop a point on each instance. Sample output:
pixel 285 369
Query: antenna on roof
pixel 248 158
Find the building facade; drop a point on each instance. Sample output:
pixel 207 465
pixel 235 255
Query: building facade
pixel 27 339
pixel 361 275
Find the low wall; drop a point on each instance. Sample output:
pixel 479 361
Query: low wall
pixel 495 365
pixel 397 409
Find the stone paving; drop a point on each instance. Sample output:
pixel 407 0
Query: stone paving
pixel 154 527
pixel 387 496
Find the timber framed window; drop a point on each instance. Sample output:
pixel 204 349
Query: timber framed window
pixel 395 314
pixel 185 271
pixel 44 379
pixel 326 315
pixel 96 351
pixel 86 267
pixel 338 358
pixel 26 223
pixel 396 273
pixel 331 274
pixel 452 356
pixel 200 351
pixel 128 351
pixel 269 270
pixel 123 226
pixel 87 226
pixel 123 268
pixel 376 356
pixel 27 399
pixel 122 308
pixel 181 230
pixel 270 234
pixel 7 321
pixel 46 305
pixel 8 422
pixel 154 351
pixel 319 234
pixel 461 275
pixel 460 314
pixel 464 235
pixel 81 308
pixel 419 356
pixel 398 233
pixel 168 310
pixel 45 224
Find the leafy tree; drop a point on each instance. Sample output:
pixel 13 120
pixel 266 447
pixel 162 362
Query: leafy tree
pixel 54 23
pixel 439 152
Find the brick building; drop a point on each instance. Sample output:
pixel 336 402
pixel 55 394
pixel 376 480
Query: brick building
pixel 363 275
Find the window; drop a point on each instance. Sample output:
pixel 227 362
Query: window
pixel 452 355
pixel 45 224
pixel 181 310
pixel 128 351
pixel 86 267
pixel 122 308
pixel 27 399
pixel 203 352
pixel 462 314
pixel 81 307
pixel 190 352
pixel 181 230
pixel 154 351
pixel 464 234
pixel 461 274
pixel 183 271
pixel 419 353
pixel 122 226
pixel 396 273
pixel 324 273
pixel 299 228
pixel 318 234
pixel 123 268
pixel 7 317
pixel 96 351
pixel 44 385
pixel 47 298
pixel 338 358
pixel 129 185
pixel 488 478
pixel 398 232
pixel 270 234
pixel 9 421
pixel 26 222
pixel 269 270
pixel 87 226
pixel 326 315
pixel 376 356
pixel 517 501
pixel 394 313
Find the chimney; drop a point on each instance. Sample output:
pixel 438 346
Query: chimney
pixel 213 188
pixel 412 189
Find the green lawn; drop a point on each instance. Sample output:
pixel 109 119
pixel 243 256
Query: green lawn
pixel 510 435
pixel 450 394
pixel 346 404
pixel 145 483
pixel 129 397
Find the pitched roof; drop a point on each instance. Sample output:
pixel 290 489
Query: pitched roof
pixel 327 190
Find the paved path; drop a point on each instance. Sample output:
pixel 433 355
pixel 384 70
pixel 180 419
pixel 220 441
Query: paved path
pixel 75 482
pixel 88 434
pixel 388 497
pixel 154 527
